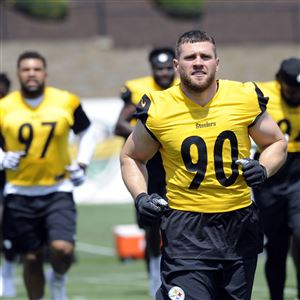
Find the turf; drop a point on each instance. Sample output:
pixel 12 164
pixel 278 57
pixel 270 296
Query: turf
pixel 99 274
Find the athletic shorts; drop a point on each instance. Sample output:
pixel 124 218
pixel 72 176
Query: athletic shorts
pixel 193 279
pixel 229 235
pixel 210 256
pixel 31 222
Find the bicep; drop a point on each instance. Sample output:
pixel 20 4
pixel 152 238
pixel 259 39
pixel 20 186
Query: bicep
pixel 126 113
pixel 140 145
pixel 265 131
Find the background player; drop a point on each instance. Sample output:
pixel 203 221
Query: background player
pixel 39 207
pixel 7 285
pixel 4 85
pixel 163 77
pixel 279 197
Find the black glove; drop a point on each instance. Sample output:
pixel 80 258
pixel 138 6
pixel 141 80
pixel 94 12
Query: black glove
pixel 150 208
pixel 254 173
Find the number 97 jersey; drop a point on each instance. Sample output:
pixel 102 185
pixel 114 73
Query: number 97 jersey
pixel 199 144
pixel 41 132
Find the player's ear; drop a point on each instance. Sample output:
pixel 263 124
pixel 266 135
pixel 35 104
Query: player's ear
pixel 217 64
pixel 175 63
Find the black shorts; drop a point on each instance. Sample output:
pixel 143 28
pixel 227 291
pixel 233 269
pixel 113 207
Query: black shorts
pixel 229 235
pixel 210 256
pixel 193 279
pixel 31 222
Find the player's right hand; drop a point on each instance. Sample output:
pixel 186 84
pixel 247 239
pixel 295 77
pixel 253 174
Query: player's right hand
pixel 11 159
pixel 150 208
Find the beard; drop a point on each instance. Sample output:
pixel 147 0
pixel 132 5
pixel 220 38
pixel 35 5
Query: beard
pixel 32 93
pixel 196 87
pixel 164 83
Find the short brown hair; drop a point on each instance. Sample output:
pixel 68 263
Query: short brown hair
pixel 194 36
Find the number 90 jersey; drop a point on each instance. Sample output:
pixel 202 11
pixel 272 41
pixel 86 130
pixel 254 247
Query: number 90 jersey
pixel 41 132
pixel 199 145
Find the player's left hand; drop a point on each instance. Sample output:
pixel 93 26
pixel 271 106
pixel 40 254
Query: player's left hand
pixel 254 173
pixel 77 173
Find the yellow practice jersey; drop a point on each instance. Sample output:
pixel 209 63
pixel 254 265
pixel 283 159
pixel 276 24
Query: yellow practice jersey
pixel 134 89
pixel 199 145
pixel 41 132
pixel 287 117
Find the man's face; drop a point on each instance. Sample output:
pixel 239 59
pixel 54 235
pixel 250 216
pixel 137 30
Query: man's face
pixel 164 74
pixel 197 65
pixel 32 75
pixel 291 94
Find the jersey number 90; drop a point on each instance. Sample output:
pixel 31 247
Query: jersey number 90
pixel 200 165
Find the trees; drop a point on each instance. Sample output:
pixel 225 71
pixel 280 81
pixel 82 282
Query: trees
pixel 180 9
pixel 42 9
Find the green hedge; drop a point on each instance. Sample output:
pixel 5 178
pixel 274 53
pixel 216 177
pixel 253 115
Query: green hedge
pixel 181 9
pixel 42 9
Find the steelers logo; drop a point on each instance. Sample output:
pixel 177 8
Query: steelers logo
pixel 176 293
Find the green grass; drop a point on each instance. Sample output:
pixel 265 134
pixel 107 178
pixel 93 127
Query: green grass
pixel 104 276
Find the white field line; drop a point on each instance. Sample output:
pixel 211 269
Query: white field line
pixel 136 278
pixel 93 249
pixel 287 291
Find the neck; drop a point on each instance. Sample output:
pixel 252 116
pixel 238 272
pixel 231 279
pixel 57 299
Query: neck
pixel 200 97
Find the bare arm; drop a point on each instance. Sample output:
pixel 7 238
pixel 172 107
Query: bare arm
pixel 123 127
pixel 138 149
pixel 273 146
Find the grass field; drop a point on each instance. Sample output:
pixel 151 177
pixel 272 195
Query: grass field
pixel 100 275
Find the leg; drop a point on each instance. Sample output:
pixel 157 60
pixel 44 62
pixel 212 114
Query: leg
pixel 23 235
pixel 61 221
pixel 8 274
pixel 294 223
pixel 61 255
pixel 296 258
pixel 33 275
pixel 156 184
pixel 277 232
pixel 238 279
pixel 194 278
pixel 275 267
pixel 153 243
pixel 7 288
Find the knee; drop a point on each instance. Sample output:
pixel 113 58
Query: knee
pixel 32 260
pixel 62 248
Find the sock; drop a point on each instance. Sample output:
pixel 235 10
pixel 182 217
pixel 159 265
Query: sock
pixel 8 268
